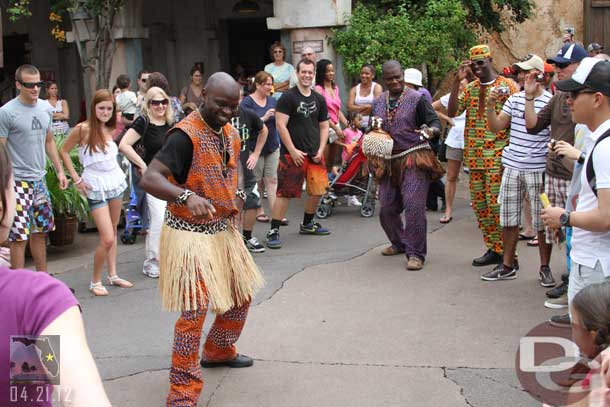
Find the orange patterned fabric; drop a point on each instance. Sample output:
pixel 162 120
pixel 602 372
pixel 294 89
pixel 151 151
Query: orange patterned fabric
pixel 205 177
pixel 186 381
pixel 482 147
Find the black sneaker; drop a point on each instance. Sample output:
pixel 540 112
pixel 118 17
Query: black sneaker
pixel 558 291
pixel 254 245
pixel 490 257
pixel 501 273
pixel 561 321
pixel 546 277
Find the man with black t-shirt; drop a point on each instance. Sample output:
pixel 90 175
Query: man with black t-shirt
pixel 302 121
pixel 253 134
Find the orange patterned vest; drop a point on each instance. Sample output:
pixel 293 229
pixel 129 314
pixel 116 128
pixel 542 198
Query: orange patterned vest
pixel 205 177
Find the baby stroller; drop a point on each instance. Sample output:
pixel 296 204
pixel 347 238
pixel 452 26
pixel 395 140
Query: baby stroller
pixel 133 220
pixel 354 178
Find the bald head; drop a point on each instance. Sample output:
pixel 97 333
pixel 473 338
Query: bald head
pixel 220 99
pixel 222 82
pixel 391 64
pixel 309 53
pixel 393 77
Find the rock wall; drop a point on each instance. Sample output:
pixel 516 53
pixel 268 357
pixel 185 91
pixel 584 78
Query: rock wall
pixel 541 34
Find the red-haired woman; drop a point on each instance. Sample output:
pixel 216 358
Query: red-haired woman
pixel 102 182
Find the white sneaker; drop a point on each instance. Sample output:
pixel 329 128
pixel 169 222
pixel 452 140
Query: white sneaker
pixel 353 201
pixel 254 245
pixel 151 268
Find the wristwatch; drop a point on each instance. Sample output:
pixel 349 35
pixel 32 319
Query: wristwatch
pixel 183 197
pixel 564 219
pixel 581 159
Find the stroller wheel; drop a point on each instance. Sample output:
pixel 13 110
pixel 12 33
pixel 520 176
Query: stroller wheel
pixel 324 211
pixel 367 210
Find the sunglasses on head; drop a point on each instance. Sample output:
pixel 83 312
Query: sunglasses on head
pixel 563 65
pixel 32 85
pixel 574 94
pixel 163 102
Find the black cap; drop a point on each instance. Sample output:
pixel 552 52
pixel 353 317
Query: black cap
pixel 594 46
pixel 592 73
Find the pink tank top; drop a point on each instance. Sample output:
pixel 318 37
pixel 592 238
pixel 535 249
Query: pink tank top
pixel 333 103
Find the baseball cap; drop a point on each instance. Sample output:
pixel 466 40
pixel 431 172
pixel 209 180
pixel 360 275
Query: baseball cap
pixel 534 62
pixel 594 46
pixel 413 76
pixel 592 73
pixel 569 53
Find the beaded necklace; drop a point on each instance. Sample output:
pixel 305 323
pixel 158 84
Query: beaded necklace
pixel 224 158
pixel 393 105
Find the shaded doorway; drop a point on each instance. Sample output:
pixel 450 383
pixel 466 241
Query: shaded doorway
pixel 248 44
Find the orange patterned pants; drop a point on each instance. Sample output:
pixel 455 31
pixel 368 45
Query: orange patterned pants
pixel 484 190
pixel 185 376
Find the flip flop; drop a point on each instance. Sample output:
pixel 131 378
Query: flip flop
pixel 533 242
pixel 445 219
pixel 524 237
pixel 262 218
pixel 285 222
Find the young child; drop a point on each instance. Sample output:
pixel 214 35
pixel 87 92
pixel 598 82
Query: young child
pixel 590 311
pixel 352 134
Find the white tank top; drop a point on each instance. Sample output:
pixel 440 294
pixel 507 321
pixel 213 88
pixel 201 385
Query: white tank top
pixel 365 100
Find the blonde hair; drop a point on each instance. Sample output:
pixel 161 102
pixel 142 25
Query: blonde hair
pixel 150 95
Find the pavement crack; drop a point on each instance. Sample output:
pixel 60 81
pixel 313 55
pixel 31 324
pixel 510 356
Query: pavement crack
pixel 222 379
pixel 110 379
pixel 462 393
pixel 310 266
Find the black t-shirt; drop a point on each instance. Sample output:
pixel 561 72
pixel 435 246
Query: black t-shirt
pixel 177 154
pixel 306 113
pixel 248 124
pixel 151 136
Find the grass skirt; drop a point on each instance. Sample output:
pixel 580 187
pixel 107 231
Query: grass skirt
pixel 220 259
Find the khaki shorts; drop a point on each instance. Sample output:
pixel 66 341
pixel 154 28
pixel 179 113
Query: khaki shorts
pixel 456 154
pixel 266 166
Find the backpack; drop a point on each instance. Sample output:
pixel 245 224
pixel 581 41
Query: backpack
pixel 590 169
pixel 139 145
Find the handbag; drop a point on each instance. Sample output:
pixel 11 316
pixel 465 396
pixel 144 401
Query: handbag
pixel 138 147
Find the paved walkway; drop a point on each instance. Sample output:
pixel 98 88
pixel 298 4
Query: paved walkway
pixel 337 324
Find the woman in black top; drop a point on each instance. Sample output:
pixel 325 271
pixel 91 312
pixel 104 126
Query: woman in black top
pixel 149 130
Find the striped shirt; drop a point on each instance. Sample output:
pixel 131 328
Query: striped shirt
pixel 525 152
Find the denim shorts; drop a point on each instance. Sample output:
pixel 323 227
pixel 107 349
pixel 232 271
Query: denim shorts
pixel 100 203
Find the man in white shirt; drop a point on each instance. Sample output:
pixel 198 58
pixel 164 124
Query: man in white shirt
pixel 589 101
pixel 524 161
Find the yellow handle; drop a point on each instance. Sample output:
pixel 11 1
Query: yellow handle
pixel 545 200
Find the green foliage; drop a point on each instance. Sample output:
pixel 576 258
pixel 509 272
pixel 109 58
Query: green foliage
pixel 486 13
pixel 68 201
pixel 434 35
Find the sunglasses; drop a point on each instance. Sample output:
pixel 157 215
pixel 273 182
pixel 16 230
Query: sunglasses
pixel 480 62
pixel 143 80
pixel 32 85
pixel 563 65
pixel 278 51
pixel 163 102
pixel 574 94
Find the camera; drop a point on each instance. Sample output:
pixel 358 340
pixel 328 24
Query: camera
pixel 570 30
pixel 540 78
pixel 503 91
